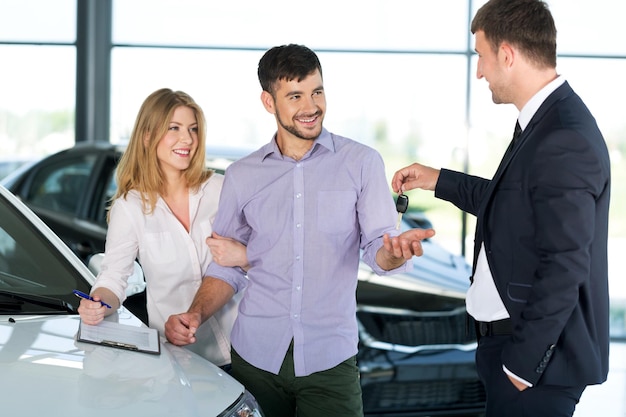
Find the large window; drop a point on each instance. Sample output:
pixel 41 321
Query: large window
pixel 37 76
pixel 399 76
pixel 407 25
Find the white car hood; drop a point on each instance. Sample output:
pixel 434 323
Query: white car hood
pixel 44 371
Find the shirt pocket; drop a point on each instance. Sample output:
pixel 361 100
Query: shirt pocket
pixel 336 211
pixel 160 247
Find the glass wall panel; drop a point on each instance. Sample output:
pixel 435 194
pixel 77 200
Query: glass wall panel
pixel 326 24
pixel 409 104
pixel 224 83
pixel 590 27
pixel 47 21
pixel 37 103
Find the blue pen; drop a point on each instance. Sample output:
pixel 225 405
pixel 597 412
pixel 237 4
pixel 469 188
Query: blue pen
pixel 89 297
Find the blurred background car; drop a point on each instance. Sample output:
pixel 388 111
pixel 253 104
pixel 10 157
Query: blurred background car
pixel 416 350
pixel 10 164
pixel 45 371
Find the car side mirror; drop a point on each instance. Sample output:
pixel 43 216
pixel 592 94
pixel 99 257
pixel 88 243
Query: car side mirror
pixel 136 281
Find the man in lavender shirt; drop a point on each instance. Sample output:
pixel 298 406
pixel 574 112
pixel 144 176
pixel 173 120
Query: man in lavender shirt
pixel 305 205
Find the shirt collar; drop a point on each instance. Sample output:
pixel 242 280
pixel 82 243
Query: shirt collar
pixel 325 139
pixel 529 110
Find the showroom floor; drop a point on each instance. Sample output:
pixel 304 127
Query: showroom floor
pixel 608 399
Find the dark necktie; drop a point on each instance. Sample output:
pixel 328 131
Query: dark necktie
pixel 516 133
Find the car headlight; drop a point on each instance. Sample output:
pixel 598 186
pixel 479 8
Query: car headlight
pixel 245 406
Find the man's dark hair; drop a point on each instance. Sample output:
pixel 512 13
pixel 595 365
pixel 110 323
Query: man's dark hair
pixel 286 62
pixel 525 24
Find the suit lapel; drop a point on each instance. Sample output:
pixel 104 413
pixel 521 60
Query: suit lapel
pixel 559 94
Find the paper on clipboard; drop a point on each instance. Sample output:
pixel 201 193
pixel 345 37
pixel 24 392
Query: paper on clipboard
pixel 121 336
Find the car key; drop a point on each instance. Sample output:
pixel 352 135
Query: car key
pixel 402 203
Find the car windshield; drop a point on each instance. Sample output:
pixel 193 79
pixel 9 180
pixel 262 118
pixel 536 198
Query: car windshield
pixel 31 265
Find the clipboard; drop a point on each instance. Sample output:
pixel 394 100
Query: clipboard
pixel 120 336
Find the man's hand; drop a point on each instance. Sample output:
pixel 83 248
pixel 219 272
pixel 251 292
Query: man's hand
pixel 180 329
pixel 415 176
pixel 519 385
pixel 213 294
pixel 397 250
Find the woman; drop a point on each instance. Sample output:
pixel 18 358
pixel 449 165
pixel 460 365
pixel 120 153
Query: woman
pixel 161 215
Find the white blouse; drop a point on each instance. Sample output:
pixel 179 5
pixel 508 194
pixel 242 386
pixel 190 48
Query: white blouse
pixel 173 262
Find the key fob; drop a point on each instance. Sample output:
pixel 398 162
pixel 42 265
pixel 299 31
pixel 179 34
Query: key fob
pixel 402 203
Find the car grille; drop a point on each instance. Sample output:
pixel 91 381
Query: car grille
pixel 418 363
pixel 415 330
pixel 427 396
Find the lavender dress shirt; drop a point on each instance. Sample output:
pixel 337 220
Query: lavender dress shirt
pixel 304 223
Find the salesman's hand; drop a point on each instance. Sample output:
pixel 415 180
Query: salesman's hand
pixel 180 329
pixel 415 176
pixel 519 385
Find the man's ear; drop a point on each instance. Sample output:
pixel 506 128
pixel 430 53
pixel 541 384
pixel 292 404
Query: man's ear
pixel 268 102
pixel 508 54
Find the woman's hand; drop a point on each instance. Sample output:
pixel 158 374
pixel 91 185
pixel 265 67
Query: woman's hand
pixel 227 251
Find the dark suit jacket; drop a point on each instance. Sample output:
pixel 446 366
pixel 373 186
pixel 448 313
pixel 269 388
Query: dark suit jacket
pixel 543 219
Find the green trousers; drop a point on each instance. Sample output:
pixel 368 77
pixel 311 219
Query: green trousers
pixel 335 392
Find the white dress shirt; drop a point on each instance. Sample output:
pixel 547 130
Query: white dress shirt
pixel 173 262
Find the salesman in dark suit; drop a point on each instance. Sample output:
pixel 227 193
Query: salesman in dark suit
pixel 539 292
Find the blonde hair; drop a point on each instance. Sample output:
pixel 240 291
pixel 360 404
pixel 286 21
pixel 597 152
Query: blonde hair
pixel 139 167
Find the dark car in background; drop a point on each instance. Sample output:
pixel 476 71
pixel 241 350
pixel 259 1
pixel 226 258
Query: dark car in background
pixel 416 349
pixel 13 163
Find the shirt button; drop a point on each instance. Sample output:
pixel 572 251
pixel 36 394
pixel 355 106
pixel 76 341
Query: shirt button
pixel 298 225
pixel 298 258
pixel 298 288
pixel 295 316
pixel 298 195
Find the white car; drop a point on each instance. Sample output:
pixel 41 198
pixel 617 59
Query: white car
pixel 43 369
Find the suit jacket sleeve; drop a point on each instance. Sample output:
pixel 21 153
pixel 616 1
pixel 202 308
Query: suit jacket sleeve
pixel 463 190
